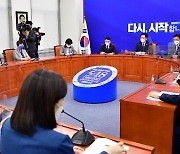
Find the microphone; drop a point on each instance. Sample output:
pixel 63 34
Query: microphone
pixel 82 137
pixel 159 80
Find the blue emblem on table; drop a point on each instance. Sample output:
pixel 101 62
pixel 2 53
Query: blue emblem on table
pixel 95 84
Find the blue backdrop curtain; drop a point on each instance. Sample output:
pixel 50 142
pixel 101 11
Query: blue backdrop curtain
pixel 112 17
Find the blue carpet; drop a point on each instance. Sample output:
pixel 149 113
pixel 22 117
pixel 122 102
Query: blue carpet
pixel 104 118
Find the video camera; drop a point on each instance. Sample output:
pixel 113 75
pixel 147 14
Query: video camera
pixel 36 29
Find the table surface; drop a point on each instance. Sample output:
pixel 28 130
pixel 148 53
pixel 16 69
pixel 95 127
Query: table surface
pixel 150 122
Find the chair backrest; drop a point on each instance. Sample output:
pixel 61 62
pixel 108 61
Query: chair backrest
pixel 57 50
pixel 154 48
pixel 8 55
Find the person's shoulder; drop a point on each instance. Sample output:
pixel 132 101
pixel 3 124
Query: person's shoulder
pixel 6 124
pixel 15 51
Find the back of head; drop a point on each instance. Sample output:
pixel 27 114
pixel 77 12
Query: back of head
pixel 40 91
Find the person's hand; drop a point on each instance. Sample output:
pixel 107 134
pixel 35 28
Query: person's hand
pixel 111 53
pixel 78 150
pixel 154 94
pixel 102 53
pixel 117 148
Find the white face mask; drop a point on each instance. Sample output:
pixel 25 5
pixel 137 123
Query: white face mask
pixel 59 111
pixel 176 42
pixel 142 40
pixel 107 44
pixel 68 45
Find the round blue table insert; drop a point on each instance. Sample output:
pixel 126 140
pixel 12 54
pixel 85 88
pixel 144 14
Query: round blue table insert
pixel 96 84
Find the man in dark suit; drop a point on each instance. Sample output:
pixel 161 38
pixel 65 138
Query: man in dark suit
pixel 108 48
pixel 20 26
pixel 30 40
pixel 143 44
pixel 172 99
pixel 174 49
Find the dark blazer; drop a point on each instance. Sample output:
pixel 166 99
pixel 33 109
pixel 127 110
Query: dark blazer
pixel 111 49
pixel 172 50
pixel 139 47
pixel 172 99
pixel 31 41
pixel 43 141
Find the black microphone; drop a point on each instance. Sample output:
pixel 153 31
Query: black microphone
pixel 105 54
pixel 82 137
pixel 159 80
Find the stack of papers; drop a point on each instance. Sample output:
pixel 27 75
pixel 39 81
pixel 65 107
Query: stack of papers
pixel 100 145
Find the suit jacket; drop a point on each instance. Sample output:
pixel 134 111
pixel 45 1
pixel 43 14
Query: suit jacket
pixel 172 99
pixel 68 51
pixel 172 50
pixel 139 47
pixel 111 49
pixel 17 55
pixel 43 141
pixel 31 41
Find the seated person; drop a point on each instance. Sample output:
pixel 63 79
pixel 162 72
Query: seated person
pixel 107 48
pixel 32 128
pixel 143 44
pixel 20 53
pixel 174 49
pixel 172 99
pixel 68 48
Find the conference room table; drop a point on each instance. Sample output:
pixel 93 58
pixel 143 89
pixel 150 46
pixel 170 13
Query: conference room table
pixel 130 68
pixel 147 121
pixel 134 148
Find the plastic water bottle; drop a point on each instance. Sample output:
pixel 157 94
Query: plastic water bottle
pixel 152 78
pixel 152 82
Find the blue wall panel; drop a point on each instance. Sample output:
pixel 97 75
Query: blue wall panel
pixel 111 18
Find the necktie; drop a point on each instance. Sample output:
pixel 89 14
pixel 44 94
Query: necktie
pixel 143 45
pixel 107 48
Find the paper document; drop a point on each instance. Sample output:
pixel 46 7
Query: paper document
pixel 100 145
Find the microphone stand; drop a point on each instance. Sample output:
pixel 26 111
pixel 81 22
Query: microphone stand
pixel 82 137
pixel 159 80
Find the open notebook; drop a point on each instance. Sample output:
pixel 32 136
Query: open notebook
pixel 100 145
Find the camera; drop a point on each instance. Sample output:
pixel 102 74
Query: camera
pixel 39 34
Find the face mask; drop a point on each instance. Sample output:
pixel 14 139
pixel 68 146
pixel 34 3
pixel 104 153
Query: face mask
pixel 21 47
pixel 142 40
pixel 176 42
pixel 68 45
pixel 59 111
pixel 107 44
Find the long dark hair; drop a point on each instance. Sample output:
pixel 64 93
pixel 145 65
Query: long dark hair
pixel 40 91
